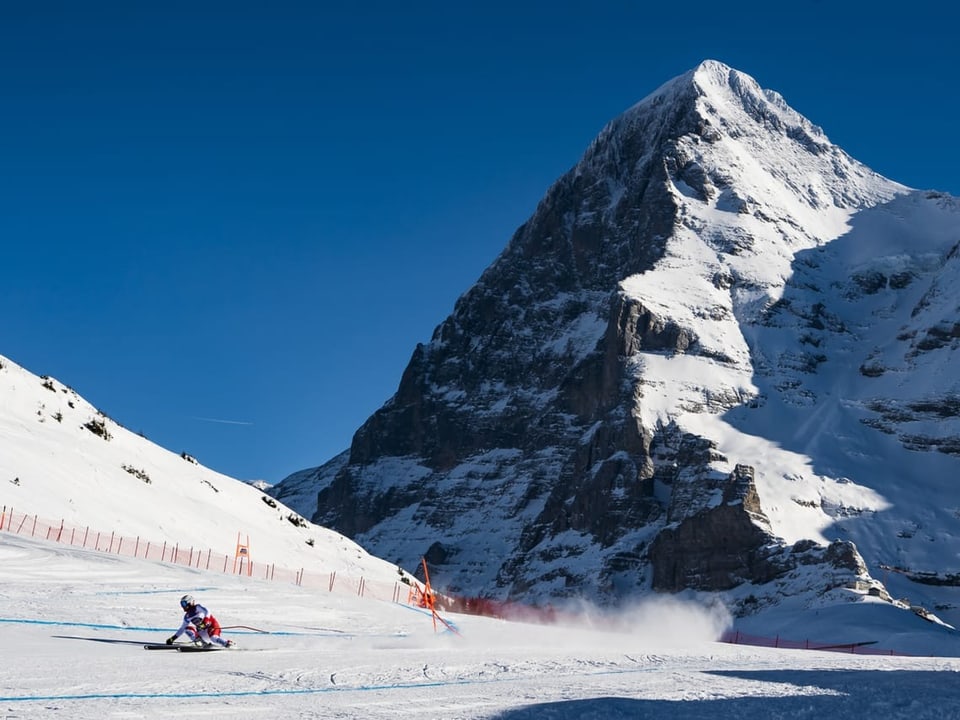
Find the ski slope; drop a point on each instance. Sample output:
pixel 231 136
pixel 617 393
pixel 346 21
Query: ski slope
pixel 73 623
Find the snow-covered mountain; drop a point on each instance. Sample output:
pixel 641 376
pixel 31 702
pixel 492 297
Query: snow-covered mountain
pixel 719 357
pixel 63 460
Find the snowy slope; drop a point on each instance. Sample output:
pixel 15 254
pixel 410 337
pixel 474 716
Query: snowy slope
pixel 53 465
pixel 73 623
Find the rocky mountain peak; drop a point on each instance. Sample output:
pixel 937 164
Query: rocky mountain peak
pixel 620 402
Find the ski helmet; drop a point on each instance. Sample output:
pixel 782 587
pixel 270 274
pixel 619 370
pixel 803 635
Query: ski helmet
pixel 187 601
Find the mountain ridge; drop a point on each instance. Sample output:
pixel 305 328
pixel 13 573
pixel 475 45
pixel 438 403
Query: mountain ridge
pixel 601 396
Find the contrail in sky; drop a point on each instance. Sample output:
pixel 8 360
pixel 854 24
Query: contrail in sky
pixel 223 422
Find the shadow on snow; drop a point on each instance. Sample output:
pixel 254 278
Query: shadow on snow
pixel 835 694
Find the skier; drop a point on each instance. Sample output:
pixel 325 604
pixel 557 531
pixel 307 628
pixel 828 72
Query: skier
pixel 199 625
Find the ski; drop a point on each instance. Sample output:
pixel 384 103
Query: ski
pixel 198 648
pixel 161 646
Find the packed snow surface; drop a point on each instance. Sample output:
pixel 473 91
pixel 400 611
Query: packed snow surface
pixel 74 622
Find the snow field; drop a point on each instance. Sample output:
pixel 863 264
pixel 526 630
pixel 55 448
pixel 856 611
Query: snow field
pixel 73 622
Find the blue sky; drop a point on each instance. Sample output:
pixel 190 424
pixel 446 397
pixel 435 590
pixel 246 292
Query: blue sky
pixel 227 225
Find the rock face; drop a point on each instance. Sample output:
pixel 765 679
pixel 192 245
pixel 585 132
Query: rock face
pixel 622 402
pixel 718 547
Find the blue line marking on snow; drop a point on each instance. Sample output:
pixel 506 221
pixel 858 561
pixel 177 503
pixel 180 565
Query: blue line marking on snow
pixel 169 629
pixel 101 626
pixel 176 591
pixel 412 608
pixel 234 693
pixel 292 691
pixel 229 693
pixel 429 614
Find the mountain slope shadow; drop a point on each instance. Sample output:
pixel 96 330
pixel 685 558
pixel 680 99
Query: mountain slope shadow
pixel 836 694
pixel 855 370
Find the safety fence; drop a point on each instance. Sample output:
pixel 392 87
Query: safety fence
pixel 736 637
pixel 409 592
pixel 201 558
